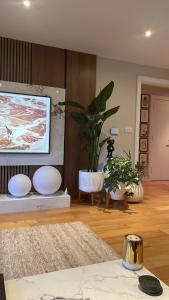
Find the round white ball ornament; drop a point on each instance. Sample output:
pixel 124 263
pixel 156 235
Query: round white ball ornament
pixel 47 180
pixel 19 185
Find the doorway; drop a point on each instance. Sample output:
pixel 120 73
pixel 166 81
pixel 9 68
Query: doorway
pixel 158 128
pixel 159 138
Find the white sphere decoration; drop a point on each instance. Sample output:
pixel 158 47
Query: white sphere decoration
pixel 47 180
pixel 19 185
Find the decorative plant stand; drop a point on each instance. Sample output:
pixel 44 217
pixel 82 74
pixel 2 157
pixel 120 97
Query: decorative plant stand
pixel 93 196
pixel 123 201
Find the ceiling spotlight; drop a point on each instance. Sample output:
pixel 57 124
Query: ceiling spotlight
pixel 27 3
pixel 148 33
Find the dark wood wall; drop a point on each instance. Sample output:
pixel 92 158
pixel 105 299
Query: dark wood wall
pixel 76 72
pixel 48 66
pixel 80 86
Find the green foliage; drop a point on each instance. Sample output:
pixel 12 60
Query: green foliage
pixel 101 144
pixel 118 169
pixel 91 120
pixel 139 170
pixel 109 113
pixel 72 104
pixel 79 117
pixel 98 104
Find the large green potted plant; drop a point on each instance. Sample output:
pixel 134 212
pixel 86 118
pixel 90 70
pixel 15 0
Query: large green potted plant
pixel 91 119
pixel 122 179
pixel 118 175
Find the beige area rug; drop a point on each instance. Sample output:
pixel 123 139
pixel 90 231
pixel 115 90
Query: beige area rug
pixel 42 249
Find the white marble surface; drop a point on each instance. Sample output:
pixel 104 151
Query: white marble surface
pixel 33 201
pixel 104 281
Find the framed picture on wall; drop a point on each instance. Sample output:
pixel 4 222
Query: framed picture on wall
pixel 145 101
pixel 143 145
pixel 144 130
pixel 144 116
pixel 143 158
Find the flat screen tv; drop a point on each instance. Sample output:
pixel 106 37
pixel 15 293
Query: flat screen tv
pixel 24 123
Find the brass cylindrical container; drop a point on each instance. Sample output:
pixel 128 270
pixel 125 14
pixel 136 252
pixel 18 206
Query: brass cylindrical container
pixel 133 252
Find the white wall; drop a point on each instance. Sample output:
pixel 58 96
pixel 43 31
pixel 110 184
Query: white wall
pixel 124 76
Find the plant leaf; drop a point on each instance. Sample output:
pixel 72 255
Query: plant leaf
pixel 88 134
pixel 109 113
pixel 101 144
pixel 98 129
pixel 85 147
pixel 79 117
pixel 99 102
pixel 72 104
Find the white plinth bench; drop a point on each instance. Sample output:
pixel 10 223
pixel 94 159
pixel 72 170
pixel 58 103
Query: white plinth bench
pixel 33 201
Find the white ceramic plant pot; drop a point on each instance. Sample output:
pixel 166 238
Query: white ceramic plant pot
pixel 90 181
pixel 119 194
pixel 138 193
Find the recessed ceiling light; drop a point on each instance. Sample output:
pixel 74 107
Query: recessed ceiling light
pixel 148 33
pixel 27 3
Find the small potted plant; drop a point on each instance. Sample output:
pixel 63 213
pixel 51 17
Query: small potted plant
pixel 91 120
pixel 118 176
pixel 135 191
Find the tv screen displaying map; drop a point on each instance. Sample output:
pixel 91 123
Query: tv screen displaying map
pixel 24 123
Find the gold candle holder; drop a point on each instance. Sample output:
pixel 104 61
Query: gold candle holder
pixel 133 252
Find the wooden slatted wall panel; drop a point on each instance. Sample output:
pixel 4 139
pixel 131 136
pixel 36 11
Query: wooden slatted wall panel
pixel 6 172
pixel 48 66
pixel 15 60
pixel 16 66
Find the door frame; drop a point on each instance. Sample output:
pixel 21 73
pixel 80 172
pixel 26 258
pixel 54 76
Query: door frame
pixel 158 98
pixel 144 80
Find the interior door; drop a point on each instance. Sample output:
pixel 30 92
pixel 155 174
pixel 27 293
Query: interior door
pixel 159 139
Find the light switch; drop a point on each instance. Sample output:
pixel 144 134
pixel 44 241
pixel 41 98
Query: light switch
pixel 128 130
pixel 114 131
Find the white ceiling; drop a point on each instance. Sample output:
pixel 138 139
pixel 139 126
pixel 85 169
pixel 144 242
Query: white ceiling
pixel 108 28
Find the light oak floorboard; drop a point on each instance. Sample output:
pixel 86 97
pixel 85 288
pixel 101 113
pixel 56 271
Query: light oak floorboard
pixel 149 219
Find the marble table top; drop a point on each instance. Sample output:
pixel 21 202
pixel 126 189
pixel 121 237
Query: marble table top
pixel 103 281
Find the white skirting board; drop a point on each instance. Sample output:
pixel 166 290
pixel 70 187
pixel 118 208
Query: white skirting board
pixel 33 202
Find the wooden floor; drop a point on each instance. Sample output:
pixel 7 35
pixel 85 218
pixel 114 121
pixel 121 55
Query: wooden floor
pixel 149 219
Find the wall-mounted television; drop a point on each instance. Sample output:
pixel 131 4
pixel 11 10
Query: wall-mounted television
pixel 24 123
